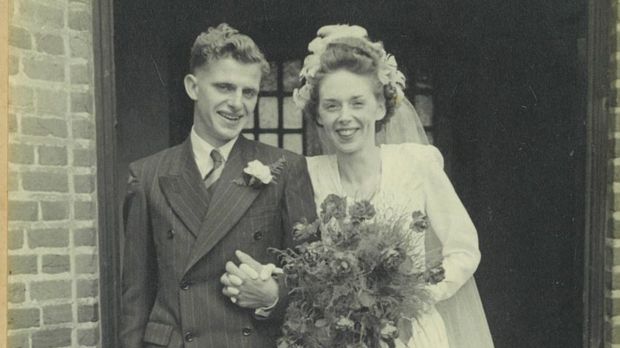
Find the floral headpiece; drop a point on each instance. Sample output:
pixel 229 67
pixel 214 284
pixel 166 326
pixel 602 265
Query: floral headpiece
pixel 388 73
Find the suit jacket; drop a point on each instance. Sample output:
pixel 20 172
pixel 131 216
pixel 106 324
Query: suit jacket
pixel 179 235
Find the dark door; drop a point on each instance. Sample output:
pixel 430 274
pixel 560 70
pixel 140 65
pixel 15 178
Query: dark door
pixel 506 84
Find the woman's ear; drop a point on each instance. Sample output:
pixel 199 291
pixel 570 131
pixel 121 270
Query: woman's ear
pixel 381 110
pixel 191 86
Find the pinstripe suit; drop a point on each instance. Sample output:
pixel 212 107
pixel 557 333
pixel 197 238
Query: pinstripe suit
pixel 179 235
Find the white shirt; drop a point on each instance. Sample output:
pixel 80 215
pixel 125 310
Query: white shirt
pixel 202 152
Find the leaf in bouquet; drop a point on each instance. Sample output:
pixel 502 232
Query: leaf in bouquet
pixel 405 329
pixel 407 267
pixel 321 323
pixel 366 299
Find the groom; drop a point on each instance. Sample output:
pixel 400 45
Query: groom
pixel 190 207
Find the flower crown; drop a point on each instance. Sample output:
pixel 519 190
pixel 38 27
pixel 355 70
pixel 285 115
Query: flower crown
pixel 388 73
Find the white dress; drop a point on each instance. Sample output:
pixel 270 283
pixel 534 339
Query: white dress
pixel 412 178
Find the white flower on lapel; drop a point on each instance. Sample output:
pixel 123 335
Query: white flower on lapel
pixel 260 171
pixel 257 174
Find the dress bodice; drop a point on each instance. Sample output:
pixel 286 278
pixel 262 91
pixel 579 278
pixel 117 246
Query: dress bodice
pixel 412 179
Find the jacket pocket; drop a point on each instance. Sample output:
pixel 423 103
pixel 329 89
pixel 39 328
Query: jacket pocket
pixel 158 334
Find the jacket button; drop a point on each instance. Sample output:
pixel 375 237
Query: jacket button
pixel 246 331
pixel 185 285
pixel 189 336
pixel 171 234
pixel 258 235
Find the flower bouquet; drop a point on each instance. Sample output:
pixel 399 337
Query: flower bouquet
pixel 355 280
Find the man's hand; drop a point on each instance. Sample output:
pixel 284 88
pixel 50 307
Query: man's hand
pixel 250 285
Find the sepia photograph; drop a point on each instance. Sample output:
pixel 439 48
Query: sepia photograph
pixel 290 174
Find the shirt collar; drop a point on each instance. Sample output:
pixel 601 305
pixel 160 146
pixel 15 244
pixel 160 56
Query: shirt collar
pixel 202 152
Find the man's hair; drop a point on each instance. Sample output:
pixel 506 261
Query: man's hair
pixel 224 41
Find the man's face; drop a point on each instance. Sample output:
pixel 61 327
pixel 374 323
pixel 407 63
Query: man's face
pixel 225 92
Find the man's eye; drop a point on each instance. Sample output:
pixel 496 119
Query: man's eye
pixel 225 88
pixel 249 93
pixel 358 104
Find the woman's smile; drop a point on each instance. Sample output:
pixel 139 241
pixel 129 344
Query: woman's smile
pixel 347 133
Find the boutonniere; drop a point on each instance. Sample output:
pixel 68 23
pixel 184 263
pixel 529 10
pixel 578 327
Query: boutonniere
pixel 256 174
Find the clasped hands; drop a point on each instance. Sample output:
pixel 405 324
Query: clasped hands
pixel 250 285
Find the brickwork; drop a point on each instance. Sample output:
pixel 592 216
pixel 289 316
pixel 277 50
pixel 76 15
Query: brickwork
pixel 53 271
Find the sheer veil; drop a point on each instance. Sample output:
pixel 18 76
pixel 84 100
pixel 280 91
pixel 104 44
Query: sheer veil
pixel 463 313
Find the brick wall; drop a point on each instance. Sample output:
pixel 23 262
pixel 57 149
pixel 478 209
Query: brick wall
pixel 53 273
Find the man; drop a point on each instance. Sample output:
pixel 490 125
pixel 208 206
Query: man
pixel 190 207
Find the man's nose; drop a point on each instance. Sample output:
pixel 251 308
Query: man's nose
pixel 236 99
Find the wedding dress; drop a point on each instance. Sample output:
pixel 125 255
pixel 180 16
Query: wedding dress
pixel 413 177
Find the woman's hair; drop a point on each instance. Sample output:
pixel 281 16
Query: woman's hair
pixel 356 56
pixel 224 41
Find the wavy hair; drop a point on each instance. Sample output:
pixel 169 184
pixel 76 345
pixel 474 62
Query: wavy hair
pixel 356 56
pixel 225 41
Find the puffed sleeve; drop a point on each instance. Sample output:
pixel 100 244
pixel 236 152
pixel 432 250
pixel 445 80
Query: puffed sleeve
pixel 452 225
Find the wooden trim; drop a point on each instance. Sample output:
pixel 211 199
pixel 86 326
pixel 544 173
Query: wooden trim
pixel 597 157
pixel 108 218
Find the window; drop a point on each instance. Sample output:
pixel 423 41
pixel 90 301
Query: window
pixel 277 121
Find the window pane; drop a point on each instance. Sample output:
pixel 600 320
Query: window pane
pixel 424 106
pixel 292 115
pixel 268 112
pixel 293 142
pixel 269 83
pixel 290 77
pixel 249 122
pixel 269 139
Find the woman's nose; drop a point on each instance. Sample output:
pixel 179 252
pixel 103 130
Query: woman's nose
pixel 346 115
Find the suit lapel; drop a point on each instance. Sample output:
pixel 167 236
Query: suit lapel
pixel 185 190
pixel 229 202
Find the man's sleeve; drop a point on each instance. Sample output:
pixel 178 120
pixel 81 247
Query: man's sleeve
pixel 139 269
pixel 297 204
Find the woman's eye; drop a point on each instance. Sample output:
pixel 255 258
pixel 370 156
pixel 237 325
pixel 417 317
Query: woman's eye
pixel 358 104
pixel 331 107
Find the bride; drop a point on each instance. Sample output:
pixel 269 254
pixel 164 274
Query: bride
pixel 354 93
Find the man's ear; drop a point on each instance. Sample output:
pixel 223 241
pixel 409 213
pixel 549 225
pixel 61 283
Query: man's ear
pixel 191 86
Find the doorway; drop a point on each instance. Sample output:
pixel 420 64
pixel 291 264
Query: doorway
pixel 503 86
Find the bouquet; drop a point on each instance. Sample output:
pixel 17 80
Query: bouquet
pixel 355 280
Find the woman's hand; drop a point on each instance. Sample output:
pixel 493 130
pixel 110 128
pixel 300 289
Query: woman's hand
pixel 250 284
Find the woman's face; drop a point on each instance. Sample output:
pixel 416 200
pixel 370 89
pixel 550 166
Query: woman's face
pixel 348 110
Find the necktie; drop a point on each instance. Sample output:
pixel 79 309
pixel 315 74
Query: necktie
pixel 214 173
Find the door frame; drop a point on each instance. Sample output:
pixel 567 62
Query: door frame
pixel 597 157
pixel 598 150
pixel 107 181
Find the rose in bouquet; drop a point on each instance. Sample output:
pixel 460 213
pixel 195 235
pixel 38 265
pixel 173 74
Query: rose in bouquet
pixel 355 280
